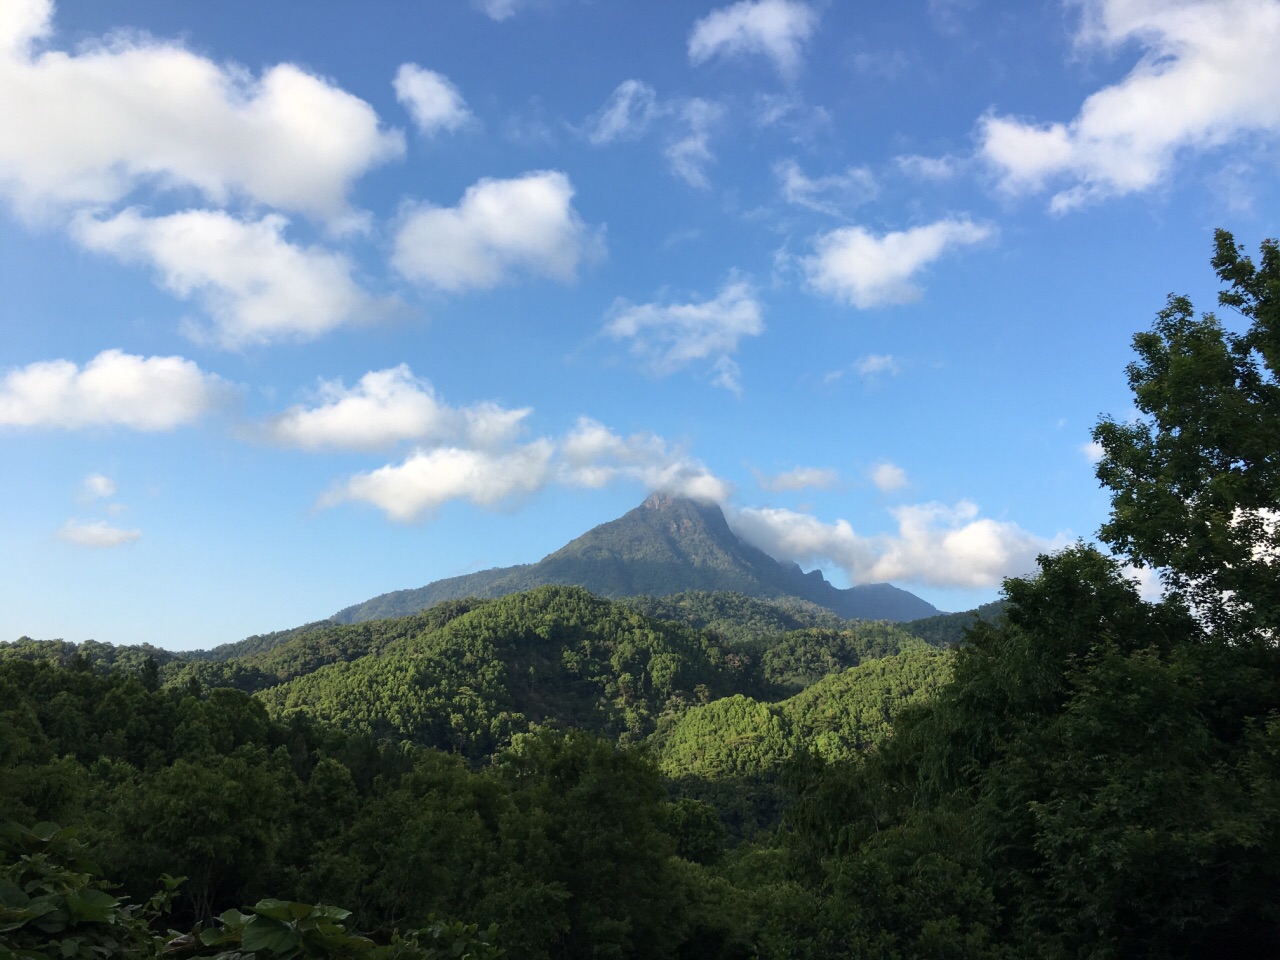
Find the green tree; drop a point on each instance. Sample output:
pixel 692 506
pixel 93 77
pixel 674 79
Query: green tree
pixel 1195 482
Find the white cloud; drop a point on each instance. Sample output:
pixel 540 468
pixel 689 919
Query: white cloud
pixel 1208 74
pixel 935 545
pixel 256 285
pixel 634 109
pixel 689 155
pixel 417 487
pixel 1146 580
pixel 386 408
pixel 98 533
pixel 777 29
pixel 800 478
pixel 832 194
pixel 727 375
pixel 670 337
pixel 888 477
pixel 786 110
pixel 487 468
pixel 96 486
pixel 114 388
pixel 593 456
pixel 500 228
pixel 927 168
pixel 874 363
pixel 857 267
pixel 627 115
pixel 132 110
pixel 431 99
pixel 1092 450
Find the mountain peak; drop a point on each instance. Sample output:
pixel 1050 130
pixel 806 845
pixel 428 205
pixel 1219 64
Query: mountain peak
pixel 668 544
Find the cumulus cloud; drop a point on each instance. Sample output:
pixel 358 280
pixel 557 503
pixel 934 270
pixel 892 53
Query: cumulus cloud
pixel 1208 74
pixel 256 285
pixel 97 533
pixel 832 194
pixel 857 267
pixel 671 336
pixel 431 99
pixel 385 408
pixel 627 115
pixel 499 229
pixel 590 455
pixel 888 477
pixel 799 478
pixel 112 389
pixel 416 488
pixel 96 486
pixel 935 545
pixel 776 29
pixel 593 456
pixel 132 110
pixel 1092 451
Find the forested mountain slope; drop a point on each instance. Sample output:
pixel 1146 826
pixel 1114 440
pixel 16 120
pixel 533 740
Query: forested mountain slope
pixel 555 654
pixel 835 718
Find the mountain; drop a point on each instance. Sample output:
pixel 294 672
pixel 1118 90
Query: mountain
pixel 664 546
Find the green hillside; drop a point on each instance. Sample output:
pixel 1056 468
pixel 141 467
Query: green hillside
pixel 555 654
pixel 836 718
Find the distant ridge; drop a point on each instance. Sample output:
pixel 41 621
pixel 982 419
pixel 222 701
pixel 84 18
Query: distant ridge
pixel 666 545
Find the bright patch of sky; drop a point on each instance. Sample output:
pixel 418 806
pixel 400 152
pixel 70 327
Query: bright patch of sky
pixel 308 302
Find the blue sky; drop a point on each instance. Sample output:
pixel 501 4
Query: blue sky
pixel 307 302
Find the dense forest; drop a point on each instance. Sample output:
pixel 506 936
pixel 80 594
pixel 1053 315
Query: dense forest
pixel 1076 772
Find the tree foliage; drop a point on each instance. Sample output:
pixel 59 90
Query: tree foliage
pixel 1195 482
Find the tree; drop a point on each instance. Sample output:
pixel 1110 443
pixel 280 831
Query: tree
pixel 1196 482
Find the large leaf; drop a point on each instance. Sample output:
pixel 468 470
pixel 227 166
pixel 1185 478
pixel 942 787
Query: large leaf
pixel 263 933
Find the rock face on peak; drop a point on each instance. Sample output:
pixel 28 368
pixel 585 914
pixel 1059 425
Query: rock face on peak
pixel 666 545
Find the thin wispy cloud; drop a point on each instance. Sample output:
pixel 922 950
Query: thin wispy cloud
pixel 686 124
pixel 628 114
pixel 874 363
pixel 96 487
pixel 834 194
pixel 799 478
pixel 97 534
pixel 669 337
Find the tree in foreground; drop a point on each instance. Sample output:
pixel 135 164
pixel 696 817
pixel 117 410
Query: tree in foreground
pixel 1196 481
pixel 1102 777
